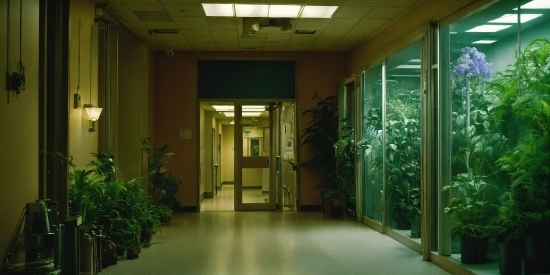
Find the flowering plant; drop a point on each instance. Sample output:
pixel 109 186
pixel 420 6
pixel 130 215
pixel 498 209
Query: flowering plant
pixel 473 66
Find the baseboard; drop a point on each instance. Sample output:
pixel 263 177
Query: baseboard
pixel 310 208
pixel 188 209
pixel 228 182
pixel 252 187
pixel 208 195
pixel 218 187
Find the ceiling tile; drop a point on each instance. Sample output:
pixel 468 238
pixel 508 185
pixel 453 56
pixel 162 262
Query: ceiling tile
pixel 297 47
pixel 201 43
pixel 274 37
pixel 142 2
pixel 222 23
pixel 141 25
pixel 174 44
pixel 312 24
pixel 321 47
pixel 188 33
pixel 352 12
pixel 125 12
pixel 384 12
pixel 337 33
pixel 200 39
pixel 324 2
pixel 342 24
pixel 183 10
pixel 225 36
pixel 227 46
pixel 275 46
pixel 161 25
pixel 179 1
pixel 302 39
pixel 191 23
pixel 368 3
pixel 205 48
pixel 396 3
pixel 370 24
pixel 171 37
pixel 142 7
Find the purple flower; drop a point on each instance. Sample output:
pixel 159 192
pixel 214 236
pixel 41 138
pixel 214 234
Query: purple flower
pixel 472 65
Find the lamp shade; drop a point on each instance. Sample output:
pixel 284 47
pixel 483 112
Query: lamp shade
pixel 93 113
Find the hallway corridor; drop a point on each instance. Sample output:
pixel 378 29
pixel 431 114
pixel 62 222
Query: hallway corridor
pixel 271 243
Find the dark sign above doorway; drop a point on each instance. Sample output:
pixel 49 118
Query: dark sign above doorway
pixel 240 79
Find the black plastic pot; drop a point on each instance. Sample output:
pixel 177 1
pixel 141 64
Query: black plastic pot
pixel 473 250
pixel 510 257
pixel 415 229
pixel 132 253
pixel 537 250
pixel 402 223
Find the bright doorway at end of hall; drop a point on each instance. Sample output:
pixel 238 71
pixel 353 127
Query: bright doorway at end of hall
pixel 260 138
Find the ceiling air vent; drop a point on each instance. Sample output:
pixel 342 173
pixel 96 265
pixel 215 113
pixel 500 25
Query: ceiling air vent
pixel 163 31
pixel 153 16
pixel 304 32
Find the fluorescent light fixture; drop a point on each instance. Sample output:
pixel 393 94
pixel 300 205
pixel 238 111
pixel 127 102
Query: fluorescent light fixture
pixel 513 18
pixel 484 41
pixel 285 11
pixel 221 108
pixel 536 4
pixel 245 114
pixel 408 67
pixel 318 11
pixel 251 10
pixel 254 107
pixel 453 32
pixel 218 9
pixel 489 28
pixel 415 60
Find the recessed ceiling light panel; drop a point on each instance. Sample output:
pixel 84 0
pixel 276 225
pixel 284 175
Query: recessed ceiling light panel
pixel 513 18
pixel 285 11
pixel 489 28
pixel 484 41
pixel 251 10
pixel 218 9
pixel 536 4
pixel 318 11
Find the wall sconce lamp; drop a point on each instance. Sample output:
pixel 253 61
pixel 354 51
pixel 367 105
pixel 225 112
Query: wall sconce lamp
pixel 93 115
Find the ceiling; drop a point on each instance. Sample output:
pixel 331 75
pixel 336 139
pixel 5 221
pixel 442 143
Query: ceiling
pixel 353 23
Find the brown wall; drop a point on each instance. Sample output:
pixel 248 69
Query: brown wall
pixel 176 106
pixel 19 119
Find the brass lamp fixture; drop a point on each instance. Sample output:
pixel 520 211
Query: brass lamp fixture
pixel 93 115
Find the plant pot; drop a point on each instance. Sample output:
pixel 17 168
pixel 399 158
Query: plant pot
pixel 510 257
pixel 146 236
pixel 326 206
pixel 416 229
pixel 335 207
pixel 132 253
pixel 402 223
pixel 536 250
pixel 473 250
pixel 109 254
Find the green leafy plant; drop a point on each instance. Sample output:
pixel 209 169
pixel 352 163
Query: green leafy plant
pixel 163 186
pixel 320 134
pixel 471 208
pixel 525 117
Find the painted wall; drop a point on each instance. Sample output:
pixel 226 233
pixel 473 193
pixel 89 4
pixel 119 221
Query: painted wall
pixel 176 99
pixel 81 142
pixel 19 117
pixel 228 154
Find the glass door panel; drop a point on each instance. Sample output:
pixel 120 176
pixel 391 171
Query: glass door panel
pixel 402 125
pixel 254 139
pixel 370 145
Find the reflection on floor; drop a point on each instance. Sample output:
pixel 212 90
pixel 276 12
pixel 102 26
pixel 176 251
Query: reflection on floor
pixel 223 201
pixel 271 242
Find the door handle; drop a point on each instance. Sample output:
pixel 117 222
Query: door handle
pixel 266 160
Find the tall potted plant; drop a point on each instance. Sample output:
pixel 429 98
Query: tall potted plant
pixel 525 118
pixel 320 134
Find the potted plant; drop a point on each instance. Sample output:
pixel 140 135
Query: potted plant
pixel 320 134
pixel 163 186
pixel 524 116
pixel 345 173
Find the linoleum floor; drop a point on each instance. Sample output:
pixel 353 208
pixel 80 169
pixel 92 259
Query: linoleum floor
pixel 289 242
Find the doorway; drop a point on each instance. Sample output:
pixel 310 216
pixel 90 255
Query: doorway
pixel 247 156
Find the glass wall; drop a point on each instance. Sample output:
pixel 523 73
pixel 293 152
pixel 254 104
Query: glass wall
pixel 495 97
pixel 371 142
pixel 391 142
